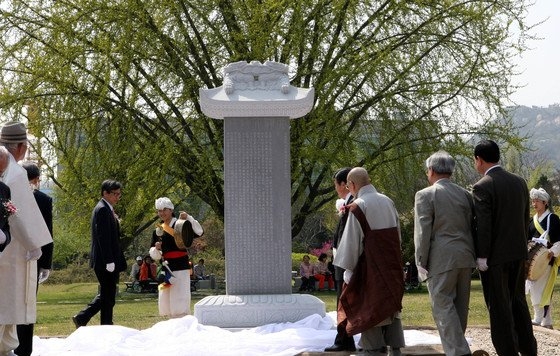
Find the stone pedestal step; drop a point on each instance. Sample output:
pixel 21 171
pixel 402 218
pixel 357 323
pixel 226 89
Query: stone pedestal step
pixel 424 350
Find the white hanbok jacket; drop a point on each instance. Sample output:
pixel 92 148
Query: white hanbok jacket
pixel 380 212
pixel 18 277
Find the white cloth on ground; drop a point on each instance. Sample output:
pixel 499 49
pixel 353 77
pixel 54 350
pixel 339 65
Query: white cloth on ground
pixel 185 336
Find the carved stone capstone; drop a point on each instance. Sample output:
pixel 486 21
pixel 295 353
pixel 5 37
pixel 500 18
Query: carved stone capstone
pixel 255 89
pixel 256 76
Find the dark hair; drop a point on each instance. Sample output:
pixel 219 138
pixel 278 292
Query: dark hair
pixel 488 150
pixel 341 175
pixel 32 170
pixel 322 256
pixel 109 185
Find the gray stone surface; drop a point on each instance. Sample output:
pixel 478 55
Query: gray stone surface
pixel 244 311
pixel 257 205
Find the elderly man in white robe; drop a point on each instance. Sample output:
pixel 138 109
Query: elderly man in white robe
pixel 380 213
pixel 18 262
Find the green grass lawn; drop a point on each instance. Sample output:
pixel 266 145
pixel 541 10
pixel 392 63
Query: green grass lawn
pixel 57 303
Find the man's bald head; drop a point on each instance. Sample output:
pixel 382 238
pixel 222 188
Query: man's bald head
pixel 357 178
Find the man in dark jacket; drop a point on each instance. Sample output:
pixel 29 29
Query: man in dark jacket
pixel 106 257
pixel 501 204
pixel 44 263
pixel 5 197
pixel 342 341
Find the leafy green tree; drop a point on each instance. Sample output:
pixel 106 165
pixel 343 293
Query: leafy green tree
pixel 112 87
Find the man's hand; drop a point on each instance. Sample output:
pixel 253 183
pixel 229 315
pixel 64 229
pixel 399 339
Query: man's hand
pixel 422 273
pixel 2 237
pixel 43 275
pixel 347 276
pixel 33 255
pixel 110 267
pixel 482 264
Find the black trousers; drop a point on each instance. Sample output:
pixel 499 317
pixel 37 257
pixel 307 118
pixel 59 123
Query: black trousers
pixel 102 302
pixel 342 338
pixel 510 321
pixel 25 333
pixel 25 338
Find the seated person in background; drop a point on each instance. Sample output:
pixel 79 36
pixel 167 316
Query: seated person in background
pixel 330 265
pixel 306 273
pixel 322 273
pixel 135 271
pixel 148 272
pixel 200 270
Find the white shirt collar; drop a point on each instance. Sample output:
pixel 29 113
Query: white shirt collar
pixel 544 215
pixel 488 170
pixel 110 206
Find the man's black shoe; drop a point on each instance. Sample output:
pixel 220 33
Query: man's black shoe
pixel 77 322
pixel 340 347
pixel 335 347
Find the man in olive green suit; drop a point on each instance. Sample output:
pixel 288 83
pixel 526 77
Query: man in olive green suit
pixel 444 249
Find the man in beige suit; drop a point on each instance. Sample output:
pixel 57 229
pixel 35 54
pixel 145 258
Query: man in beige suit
pixel 444 249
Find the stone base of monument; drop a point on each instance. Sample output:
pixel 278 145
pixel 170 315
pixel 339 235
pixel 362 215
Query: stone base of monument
pixel 247 311
pixel 424 350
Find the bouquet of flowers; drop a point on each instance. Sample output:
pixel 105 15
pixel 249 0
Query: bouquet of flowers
pixel 7 209
pixel 340 207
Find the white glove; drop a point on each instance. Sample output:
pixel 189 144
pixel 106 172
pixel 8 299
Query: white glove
pixel 33 255
pixel 155 254
pixel 422 273
pixel 43 275
pixel 482 265
pixel 2 237
pixel 110 267
pixel 347 276
pixel 555 249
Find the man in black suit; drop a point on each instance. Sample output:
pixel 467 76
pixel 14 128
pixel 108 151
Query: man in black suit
pixel 44 263
pixel 5 195
pixel 342 341
pixel 5 238
pixel 106 257
pixel 501 202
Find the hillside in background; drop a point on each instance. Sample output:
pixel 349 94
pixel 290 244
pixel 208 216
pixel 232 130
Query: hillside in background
pixel 542 126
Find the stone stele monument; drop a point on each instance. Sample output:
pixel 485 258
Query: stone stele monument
pixel 256 103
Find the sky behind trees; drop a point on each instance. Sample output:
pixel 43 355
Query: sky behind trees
pixel 540 65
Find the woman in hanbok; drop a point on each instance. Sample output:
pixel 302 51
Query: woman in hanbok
pixel 544 228
pixel 174 299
